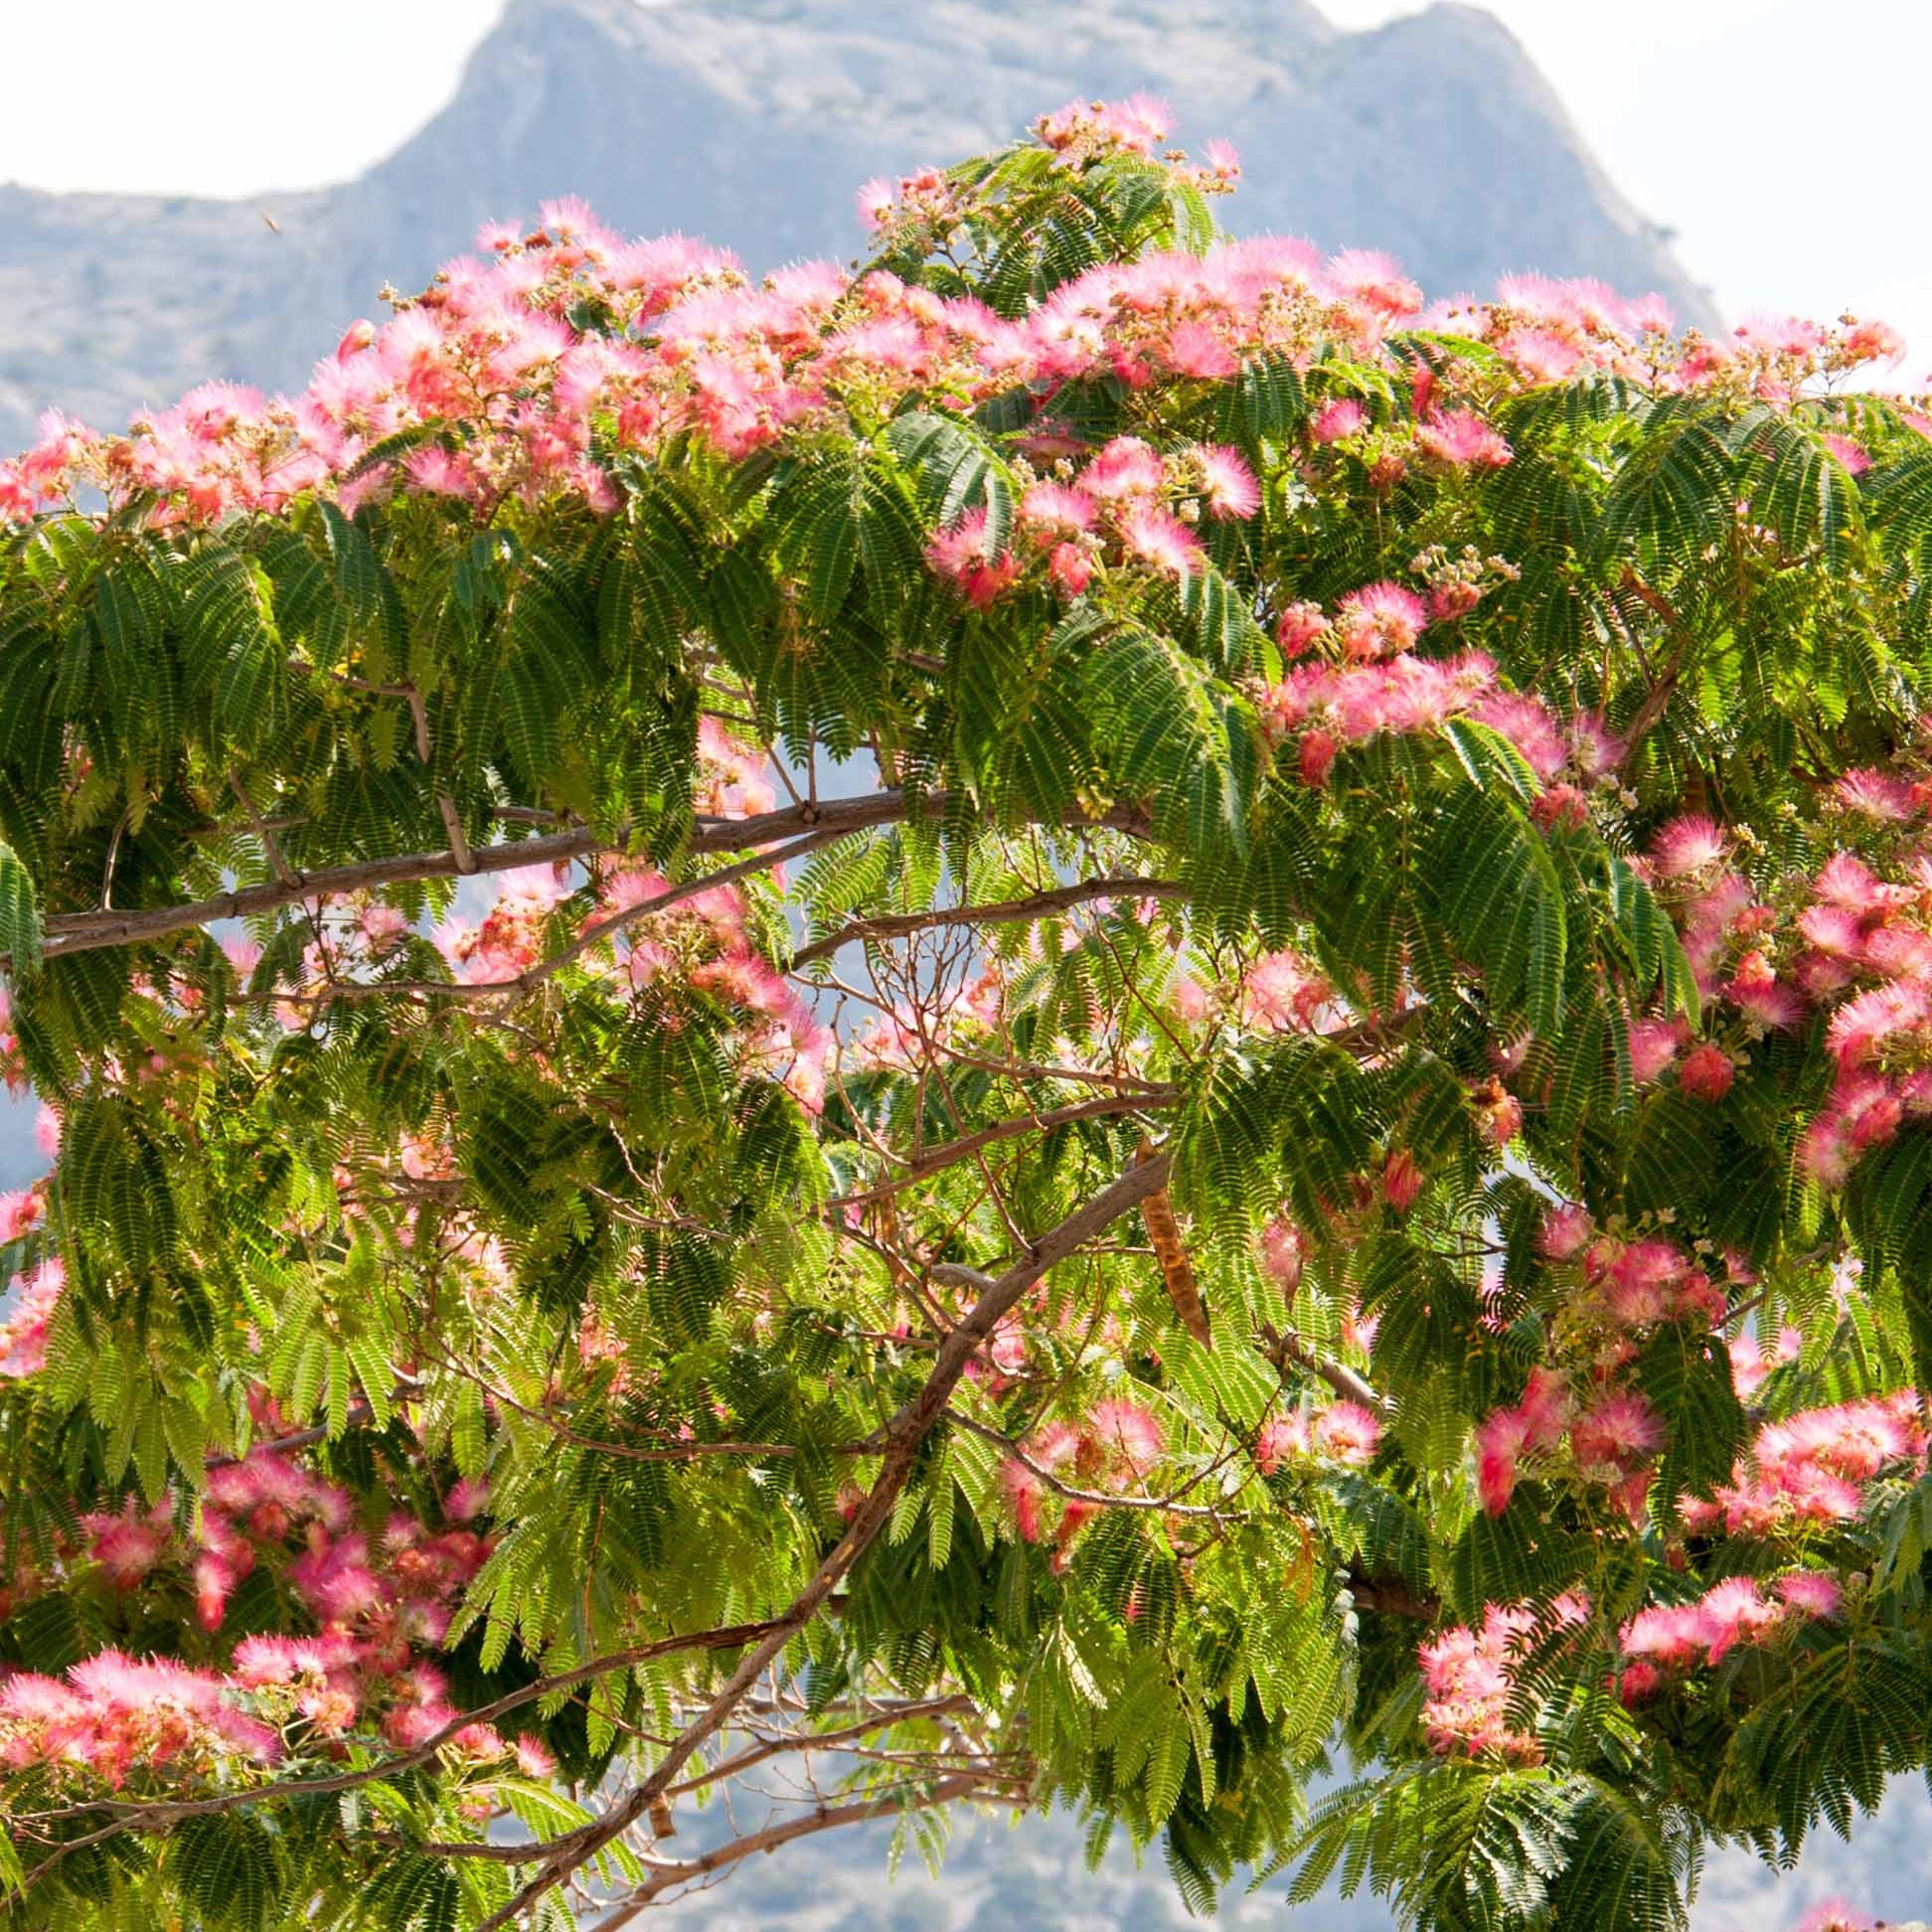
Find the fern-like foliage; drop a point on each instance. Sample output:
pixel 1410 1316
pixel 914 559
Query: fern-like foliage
pixel 1072 1024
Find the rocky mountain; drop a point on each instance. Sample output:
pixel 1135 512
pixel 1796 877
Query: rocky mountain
pixel 752 122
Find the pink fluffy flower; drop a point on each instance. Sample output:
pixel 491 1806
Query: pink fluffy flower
pixel 1686 847
pixel 1813 1593
pixel 1069 569
pixel 1869 339
pixel 23 1335
pixel 1525 722
pixel 1565 1233
pixel 1282 1438
pixel 1123 470
pixel 1706 1073
pixel 1301 627
pixel 1462 437
pixel 1226 482
pixel 1371 278
pixel 1223 160
pixel 1161 540
pixel 1847 881
pixel 1380 620
pixel 1540 355
pixel 129 1544
pixel 1855 456
pixel 1126 1430
pixel 1347 1432
pixel 1283 1254
pixel 1500 1440
pixel 1194 349
pixel 1834 1915
pixel 1619 1428
pixel 1653 1047
pixel 1733 1613
pixel 1401 1180
pixel 1876 795
pixel 20 1213
pixel 1058 511
pixel 1336 422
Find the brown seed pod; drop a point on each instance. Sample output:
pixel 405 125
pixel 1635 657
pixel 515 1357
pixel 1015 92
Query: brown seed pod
pixel 1164 1235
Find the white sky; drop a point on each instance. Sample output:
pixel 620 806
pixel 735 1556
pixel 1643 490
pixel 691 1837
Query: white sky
pixel 1785 139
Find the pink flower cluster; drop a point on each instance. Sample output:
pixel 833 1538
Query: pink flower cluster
pixel 1853 946
pixel 1469 1675
pixel 12 1074
pixel 113 1714
pixel 379 1604
pixel 1120 509
pixel 1358 676
pixel 1629 1286
pixel 1089 129
pixel 1468 1681
pixel 324 1683
pixel 1834 1915
pixel 1869 959
pixel 505 368
pixel 1343 1433
pixel 1684 1636
pixel 1812 1468
pixel 1111 1452
pixel 1612 1441
pixel 23 1335
pixel 1282 992
pixel 388 1600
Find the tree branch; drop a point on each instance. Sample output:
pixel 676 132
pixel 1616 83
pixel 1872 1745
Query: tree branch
pixel 801 1742
pixel 902 1436
pixel 1283 1348
pixel 90 931
pixel 948 1153
pixel 459 846
pixel 823 1817
pixel 901 926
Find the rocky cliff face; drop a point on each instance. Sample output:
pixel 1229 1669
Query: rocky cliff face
pixel 751 121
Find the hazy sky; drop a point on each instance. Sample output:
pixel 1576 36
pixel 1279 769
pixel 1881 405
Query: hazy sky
pixel 1783 139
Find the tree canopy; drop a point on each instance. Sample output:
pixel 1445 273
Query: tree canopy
pixel 1090 1020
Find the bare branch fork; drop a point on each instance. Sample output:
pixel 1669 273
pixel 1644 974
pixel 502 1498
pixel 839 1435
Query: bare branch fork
pixel 903 1437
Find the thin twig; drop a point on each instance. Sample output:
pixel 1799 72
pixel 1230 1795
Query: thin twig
pixel 901 926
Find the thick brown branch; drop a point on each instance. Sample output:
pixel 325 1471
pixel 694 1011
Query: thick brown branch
pixel 1284 1349
pixel 901 926
pixel 90 931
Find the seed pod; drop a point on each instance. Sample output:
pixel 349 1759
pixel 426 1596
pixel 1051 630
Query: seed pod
pixel 1164 1235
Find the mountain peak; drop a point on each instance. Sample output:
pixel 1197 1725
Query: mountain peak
pixel 752 122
